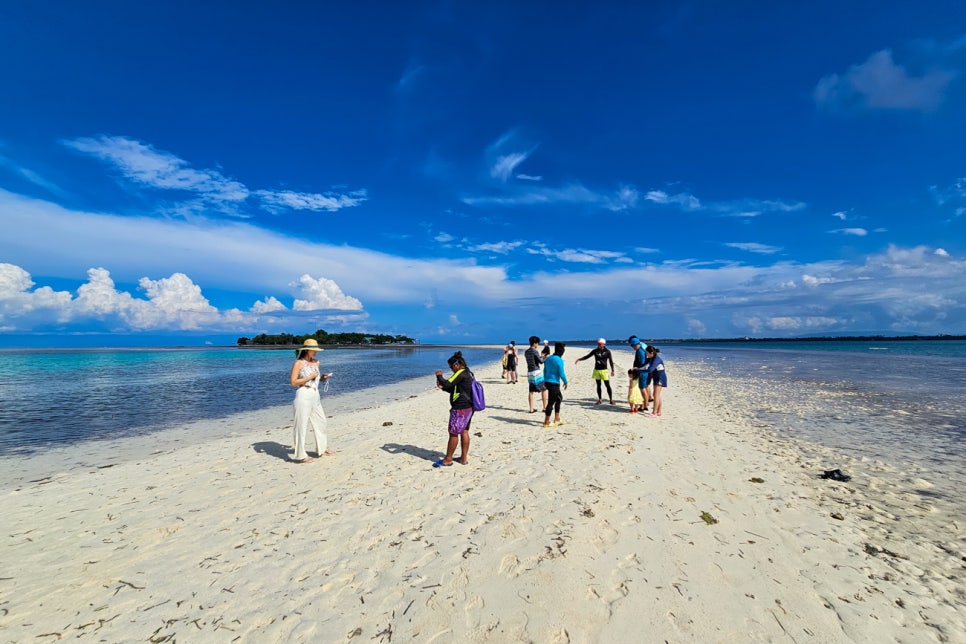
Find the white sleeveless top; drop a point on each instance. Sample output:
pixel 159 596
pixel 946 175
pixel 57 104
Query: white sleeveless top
pixel 307 370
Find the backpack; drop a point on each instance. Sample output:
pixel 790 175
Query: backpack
pixel 479 401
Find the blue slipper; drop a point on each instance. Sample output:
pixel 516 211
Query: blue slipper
pixel 440 463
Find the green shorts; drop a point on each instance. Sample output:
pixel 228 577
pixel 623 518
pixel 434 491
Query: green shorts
pixel 601 374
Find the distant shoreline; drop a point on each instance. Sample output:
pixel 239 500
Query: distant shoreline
pixel 748 340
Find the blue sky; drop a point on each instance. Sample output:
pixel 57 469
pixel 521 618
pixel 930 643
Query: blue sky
pixel 193 172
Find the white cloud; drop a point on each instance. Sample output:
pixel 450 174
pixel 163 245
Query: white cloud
pixel 30 175
pixel 685 200
pixel 444 238
pixel 579 256
pixel 740 208
pixel 840 215
pixel 279 200
pixel 879 83
pixel 858 232
pixel 529 177
pixel 173 303
pixel 754 247
pixel 268 305
pixel 505 164
pixel 322 294
pixel 574 193
pixel 501 248
pixel 142 164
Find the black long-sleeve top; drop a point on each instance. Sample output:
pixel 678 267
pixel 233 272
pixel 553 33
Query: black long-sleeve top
pixel 460 388
pixel 601 358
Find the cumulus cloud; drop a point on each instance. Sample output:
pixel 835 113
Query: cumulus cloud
pixel 268 305
pixel 321 294
pixel 880 83
pixel 172 303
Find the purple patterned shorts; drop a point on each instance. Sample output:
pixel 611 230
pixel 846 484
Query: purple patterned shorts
pixel 459 420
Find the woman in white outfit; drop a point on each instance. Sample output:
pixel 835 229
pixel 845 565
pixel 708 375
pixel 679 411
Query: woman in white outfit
pixel 305 377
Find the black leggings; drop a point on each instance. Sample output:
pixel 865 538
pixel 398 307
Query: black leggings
pixel 610 394
pixel 554 398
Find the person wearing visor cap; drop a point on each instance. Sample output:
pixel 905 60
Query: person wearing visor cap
pixel 602 357
pixel 640 366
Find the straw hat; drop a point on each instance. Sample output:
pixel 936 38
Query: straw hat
pixel 310 344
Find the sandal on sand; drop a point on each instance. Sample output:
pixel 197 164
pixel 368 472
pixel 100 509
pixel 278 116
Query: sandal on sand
pixel 304 460
pixel 440 463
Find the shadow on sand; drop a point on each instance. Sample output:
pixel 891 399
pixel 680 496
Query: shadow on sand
pixel 418 452
pixel 273 449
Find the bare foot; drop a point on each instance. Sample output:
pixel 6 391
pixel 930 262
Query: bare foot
pixel 305 460
pixel 328 452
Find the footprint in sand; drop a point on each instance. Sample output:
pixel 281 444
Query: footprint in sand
pixel 605 537
pixel 342 581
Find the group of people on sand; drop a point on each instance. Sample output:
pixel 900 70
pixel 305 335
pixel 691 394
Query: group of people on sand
pixel 546 376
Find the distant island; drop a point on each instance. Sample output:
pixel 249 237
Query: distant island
pixel 324 338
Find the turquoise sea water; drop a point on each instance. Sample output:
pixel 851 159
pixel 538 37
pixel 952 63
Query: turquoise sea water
pixel 62 396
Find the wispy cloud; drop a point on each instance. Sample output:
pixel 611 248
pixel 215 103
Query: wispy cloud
pixel 574 193
pixel 410 74
pixel 685 200
pixel 280 200
pixel 30 175
pixel 143 165
pixel 858 232
pixel 504 165
pixel 499 248
pixel 880 83
pixel 576 255
pixel 740 208
pixel 753 247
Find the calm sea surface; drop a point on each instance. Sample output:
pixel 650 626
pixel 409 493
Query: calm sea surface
pixel 901 402
pixel 63 396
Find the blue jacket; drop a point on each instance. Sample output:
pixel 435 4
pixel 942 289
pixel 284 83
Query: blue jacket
pixel 553 371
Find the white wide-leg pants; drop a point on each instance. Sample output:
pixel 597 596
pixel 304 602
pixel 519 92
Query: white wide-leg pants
pixel 308 411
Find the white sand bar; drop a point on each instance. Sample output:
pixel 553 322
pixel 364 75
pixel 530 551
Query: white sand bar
pixel 587 532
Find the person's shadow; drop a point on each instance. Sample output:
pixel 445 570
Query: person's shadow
pixel 273 449
pixel 418 452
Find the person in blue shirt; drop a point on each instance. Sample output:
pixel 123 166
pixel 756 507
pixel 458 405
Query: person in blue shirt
pixel 640 366
pixel 553 377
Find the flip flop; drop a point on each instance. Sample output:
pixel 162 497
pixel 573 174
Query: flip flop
pixel 440 463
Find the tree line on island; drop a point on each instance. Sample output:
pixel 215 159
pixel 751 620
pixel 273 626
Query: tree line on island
pixel 324 338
